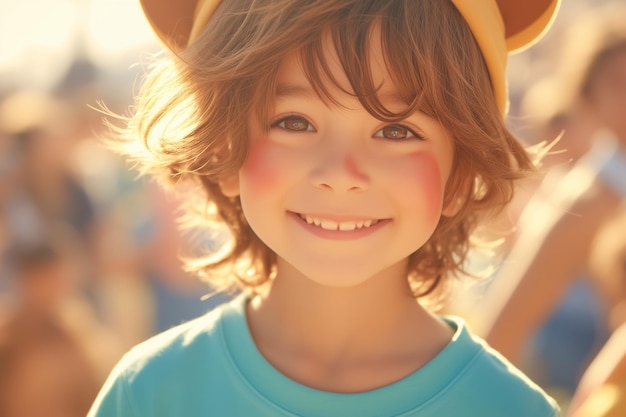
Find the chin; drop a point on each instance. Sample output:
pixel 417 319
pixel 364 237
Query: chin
pixel 337 277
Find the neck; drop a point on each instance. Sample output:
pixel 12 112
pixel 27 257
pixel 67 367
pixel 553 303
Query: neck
pixel 300 313
pixel 316 333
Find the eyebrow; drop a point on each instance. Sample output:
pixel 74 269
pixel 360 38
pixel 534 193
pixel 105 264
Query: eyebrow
pixel 292 90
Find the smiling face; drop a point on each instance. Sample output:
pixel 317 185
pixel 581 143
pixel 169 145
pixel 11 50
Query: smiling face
pixel 339 195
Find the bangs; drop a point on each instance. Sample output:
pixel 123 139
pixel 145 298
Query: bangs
pixel 428 51
pixel 353 39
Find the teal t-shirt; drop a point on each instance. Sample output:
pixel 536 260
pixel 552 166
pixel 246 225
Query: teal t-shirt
pixel 210 367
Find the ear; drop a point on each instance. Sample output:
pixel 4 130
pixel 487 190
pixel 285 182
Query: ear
pixel 230 185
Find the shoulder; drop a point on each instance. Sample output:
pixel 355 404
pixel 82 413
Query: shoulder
pixel 179 346
pixel 172 372
pixel 181 363
pixel 173 354
pixel 488 381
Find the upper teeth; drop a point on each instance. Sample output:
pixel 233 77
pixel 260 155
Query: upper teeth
pixel 333 225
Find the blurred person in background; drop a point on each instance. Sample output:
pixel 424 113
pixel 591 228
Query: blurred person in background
pixel 55 169
pixel 41 127
pixel 53 352
pixel 39 188
pixel 602 388
pixel 47 179
pixel 55 347
pixel 558 228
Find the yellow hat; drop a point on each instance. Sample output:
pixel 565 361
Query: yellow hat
pixel 519 24
pixel 499 26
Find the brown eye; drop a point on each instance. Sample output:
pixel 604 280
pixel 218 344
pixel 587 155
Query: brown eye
pixel 294 124
pixel 396 132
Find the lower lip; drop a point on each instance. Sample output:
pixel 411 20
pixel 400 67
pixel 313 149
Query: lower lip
pixel 338 234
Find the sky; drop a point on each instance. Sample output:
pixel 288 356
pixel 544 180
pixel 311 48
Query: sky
pixel 39 38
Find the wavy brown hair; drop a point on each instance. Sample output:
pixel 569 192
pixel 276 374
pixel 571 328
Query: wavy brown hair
pixel 190 121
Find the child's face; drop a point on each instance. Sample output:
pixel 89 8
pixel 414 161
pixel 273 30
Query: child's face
pixel 337 194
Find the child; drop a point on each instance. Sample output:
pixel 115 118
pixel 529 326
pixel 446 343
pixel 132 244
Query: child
pixel 350 147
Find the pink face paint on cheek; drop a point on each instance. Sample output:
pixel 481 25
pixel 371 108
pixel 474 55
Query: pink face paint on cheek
pixel 426 184
pixel 260 168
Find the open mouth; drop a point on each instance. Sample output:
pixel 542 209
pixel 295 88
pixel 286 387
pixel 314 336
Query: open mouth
pixel 347 226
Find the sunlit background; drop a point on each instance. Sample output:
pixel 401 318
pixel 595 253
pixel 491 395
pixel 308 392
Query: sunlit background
pixel 59 59
pixel 39 39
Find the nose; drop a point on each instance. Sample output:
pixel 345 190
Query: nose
pixel 340 172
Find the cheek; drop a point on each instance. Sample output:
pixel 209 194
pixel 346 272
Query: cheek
pixel 422 182
pixel 261 171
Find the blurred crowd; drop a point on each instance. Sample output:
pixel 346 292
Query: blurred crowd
pixel 556 304
pixel 90 253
